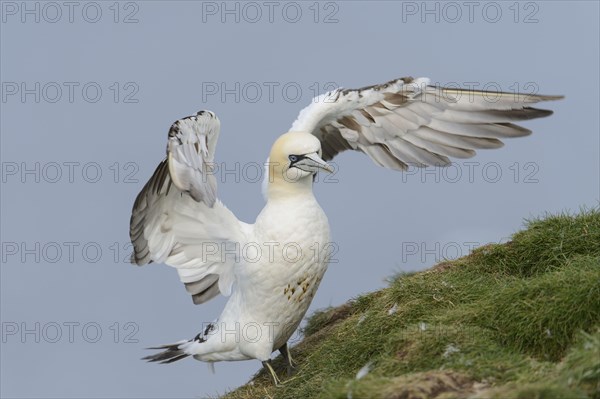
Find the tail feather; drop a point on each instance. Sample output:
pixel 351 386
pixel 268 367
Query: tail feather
pixel 170 354
pixel 179 350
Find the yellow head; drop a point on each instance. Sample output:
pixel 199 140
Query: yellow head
pixel 294 159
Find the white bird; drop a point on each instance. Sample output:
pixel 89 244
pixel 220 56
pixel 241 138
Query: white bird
pixel 271 269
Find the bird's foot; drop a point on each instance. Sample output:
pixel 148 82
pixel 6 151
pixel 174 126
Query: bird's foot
pixel 291 369
pixel 269 367
pixel 287 356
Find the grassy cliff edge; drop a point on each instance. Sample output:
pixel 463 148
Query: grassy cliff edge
pixel 514 320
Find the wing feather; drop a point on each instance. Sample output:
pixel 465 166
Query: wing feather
pixel 409 122
pixel 190 153
pixel 177 219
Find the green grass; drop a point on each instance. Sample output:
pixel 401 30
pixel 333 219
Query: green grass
pixel 515 320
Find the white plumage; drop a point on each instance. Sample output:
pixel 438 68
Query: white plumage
pixel 271 269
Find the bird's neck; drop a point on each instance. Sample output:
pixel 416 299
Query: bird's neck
pixel 279 188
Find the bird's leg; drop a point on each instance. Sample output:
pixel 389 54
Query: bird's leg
pixel 287 356
pixel 267 365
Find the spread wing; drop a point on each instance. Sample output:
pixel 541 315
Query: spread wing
pixel 409 122
pixel 176 218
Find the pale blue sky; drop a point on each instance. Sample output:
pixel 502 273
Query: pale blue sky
pixel 178 58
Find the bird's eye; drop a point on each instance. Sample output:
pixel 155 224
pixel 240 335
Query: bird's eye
pixel 293 158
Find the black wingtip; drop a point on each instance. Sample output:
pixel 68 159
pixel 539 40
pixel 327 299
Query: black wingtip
pixel 551 97
pixel 532 113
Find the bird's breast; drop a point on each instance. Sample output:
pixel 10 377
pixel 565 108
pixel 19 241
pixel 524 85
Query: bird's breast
pixel 293 241
pixel 292 223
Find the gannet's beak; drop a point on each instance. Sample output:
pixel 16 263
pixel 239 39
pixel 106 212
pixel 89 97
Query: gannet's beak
pixel 312 163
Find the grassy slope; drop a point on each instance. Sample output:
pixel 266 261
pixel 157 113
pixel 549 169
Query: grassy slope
pixel 514 320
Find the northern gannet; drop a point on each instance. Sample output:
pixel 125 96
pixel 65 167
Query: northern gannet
pixel 271 269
